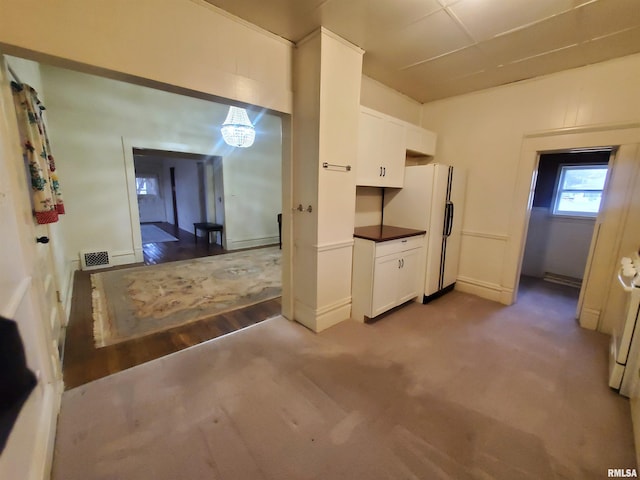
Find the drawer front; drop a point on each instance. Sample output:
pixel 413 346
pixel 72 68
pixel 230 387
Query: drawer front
pixel 399 245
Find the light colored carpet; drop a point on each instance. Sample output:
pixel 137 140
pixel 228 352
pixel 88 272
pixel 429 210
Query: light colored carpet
pixel 154 234
pixel 134 302
pixel 461 388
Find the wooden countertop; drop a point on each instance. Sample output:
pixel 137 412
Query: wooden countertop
pixel 382 233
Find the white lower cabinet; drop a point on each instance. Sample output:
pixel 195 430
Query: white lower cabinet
pixel 385 275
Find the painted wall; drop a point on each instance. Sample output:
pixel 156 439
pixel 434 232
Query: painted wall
pixel 558 245
pixel 381 98
pixel 327 73
pixel 483 133
pixel 151 207
pixel 89 118
pixel 189 192
pixel 185 46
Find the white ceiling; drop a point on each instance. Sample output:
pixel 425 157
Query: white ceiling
pixel 431 49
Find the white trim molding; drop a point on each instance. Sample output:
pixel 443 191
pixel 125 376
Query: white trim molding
pixel 488 290
pixel 319 319
pixel 589 318
pixel 490 236
pixel 335 245
pixel 251 242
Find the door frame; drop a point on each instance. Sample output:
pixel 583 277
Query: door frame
pixel 626 138
pixel 29 449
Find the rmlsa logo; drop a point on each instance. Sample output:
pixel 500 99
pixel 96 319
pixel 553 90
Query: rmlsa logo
pixel 622 472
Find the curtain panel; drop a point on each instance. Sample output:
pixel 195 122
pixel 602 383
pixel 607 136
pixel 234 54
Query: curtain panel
pixel 46 195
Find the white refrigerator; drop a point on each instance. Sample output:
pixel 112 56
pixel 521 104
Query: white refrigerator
pixel 431 199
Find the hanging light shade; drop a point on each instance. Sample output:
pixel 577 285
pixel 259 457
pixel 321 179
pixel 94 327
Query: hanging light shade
pixel 237 130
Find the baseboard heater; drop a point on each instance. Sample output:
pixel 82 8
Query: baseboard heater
pixel 93 260
pixel 562 279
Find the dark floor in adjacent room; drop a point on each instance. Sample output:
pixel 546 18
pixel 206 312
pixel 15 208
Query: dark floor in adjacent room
pixel 461 388
pixel 83 362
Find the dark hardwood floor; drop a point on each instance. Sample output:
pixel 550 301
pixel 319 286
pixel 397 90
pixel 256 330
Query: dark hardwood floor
pixel 184 249
pixel 83 362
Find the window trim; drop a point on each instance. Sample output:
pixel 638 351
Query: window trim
pixel 557 191
pixel 150 176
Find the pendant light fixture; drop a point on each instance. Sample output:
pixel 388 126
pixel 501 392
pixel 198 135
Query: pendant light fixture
pixel 237 130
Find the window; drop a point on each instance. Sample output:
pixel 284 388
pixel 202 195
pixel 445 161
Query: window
pixel 579 190
pixel 147 185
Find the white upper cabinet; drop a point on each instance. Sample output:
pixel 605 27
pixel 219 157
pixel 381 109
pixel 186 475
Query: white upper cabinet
pixel 381 150
pixel 420 141
pixel 383 142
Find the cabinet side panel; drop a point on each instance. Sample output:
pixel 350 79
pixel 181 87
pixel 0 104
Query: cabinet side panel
pixel 362 278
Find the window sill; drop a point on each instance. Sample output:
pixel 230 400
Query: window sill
pixel 578 218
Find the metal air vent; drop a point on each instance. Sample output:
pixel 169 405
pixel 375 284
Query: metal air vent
pixel 91 260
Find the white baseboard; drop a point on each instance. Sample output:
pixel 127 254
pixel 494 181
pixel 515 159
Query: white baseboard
pixel 126 257
pixel 320 319
pixel 589 318
pixel 252 242
pixel 490 291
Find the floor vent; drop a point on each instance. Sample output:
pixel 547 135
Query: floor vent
pixel 91 260
pixel 562 279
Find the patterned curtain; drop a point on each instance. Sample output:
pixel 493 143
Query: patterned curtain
pixel 46 195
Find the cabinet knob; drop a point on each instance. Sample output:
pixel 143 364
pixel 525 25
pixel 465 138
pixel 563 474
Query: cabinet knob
pixel 42 239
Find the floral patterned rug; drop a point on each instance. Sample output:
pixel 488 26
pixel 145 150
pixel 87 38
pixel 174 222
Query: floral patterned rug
pixel 134 302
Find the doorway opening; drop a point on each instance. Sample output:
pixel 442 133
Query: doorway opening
pixel 107 212
pixel 174 192
pixel 569 189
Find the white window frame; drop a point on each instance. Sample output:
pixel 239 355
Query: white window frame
pixel 562 168
pixel 152 177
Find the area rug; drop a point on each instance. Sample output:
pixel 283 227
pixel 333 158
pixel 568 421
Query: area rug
pixel 154 234
pixel 134 302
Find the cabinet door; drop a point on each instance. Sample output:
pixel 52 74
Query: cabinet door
pixel 414 138
pixel 385 281
pixel 394 153
pixel 371 131
pixel 420 141
pixel 408 275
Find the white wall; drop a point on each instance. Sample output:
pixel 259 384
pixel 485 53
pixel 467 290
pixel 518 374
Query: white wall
pixel 185 44
pixel 189 194
pixel 558 245
pixel 381 98
pixel 327 73
pixel 483 132
pixel 151 207
pixel 89 116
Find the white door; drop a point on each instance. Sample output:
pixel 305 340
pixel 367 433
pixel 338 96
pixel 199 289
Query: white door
pixel 385 284
pixel 408 280
pixel 26 297
pixel 371 131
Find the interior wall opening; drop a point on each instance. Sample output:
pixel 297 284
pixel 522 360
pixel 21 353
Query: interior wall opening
pixel 570 187
pixel 242 189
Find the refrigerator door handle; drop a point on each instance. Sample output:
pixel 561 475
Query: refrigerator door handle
pixel 448 222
